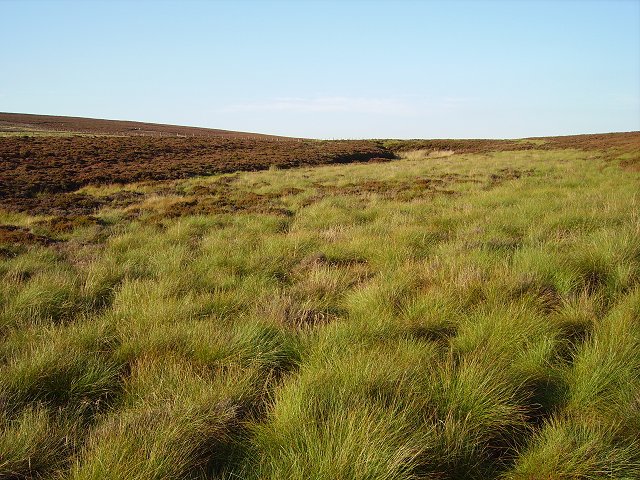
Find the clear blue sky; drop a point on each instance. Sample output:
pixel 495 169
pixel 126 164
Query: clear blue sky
pixel 330 69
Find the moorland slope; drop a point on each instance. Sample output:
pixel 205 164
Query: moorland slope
pixel 448 314
pixel 26 122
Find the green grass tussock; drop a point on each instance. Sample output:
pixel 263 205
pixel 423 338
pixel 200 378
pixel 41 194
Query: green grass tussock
pixel 35 444
pixel 174 423
pixel 72 367
pixel 575 448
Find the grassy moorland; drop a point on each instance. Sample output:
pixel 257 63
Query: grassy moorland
pixel 440 316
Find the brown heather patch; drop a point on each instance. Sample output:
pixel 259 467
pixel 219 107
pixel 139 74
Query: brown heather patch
pixel 419 187
pixel 459 146
pixel 506 174
pixel 66 224
pixel 35 171
pixel 615 143
pixel 632 163
pixel 404 190
pixel 70 204
pixel 238 202
pixel 12 235
pixel 218 197
pixel 14 240
pixel 621 142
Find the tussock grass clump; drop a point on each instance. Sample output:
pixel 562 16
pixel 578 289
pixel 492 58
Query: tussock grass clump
pixel 345 416
pixel 596 436
pixel 100 283
pixel 329 422
pixel 47 297
pixel 173 422
pixel 191 415
pixel 67 367
pixel 35 444
pixel 577 448
pixel 432 317
pixel 605 376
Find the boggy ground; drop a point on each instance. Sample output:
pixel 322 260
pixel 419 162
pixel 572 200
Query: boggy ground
pixel 470 316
